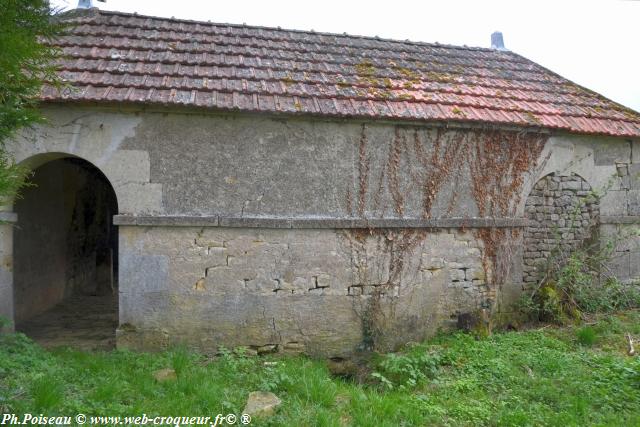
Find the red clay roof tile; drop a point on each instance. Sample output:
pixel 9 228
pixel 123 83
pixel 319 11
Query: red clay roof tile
pixel 117 57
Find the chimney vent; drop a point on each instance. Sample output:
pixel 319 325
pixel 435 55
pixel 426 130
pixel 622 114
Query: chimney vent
pixel 87 4
pixel 497 42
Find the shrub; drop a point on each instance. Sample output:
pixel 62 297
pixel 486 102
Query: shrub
pixel 612 295
pixel 575 289
pixel 578 285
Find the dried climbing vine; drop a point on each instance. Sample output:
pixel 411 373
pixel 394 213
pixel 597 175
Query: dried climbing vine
pixel 363 171
pixel 438 166
pixel 393 166
pixel 397 243
pixel 496 163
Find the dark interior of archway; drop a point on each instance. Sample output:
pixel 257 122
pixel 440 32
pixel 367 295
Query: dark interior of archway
pixel 65 256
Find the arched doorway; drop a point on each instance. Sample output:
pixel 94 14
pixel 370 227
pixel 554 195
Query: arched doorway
pixel 65 255
pixel 563 213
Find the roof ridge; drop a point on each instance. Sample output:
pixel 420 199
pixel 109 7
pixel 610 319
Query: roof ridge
pixel 522 63
pixel 286 30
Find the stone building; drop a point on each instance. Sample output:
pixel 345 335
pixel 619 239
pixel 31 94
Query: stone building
pixel 298 191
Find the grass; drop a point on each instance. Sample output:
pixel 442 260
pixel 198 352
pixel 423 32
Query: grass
pixel 587 336
pixel 548 376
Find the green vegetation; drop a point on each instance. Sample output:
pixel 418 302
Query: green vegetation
pixel 557 376
pixel 456 110
pixel 365 68
pixel 586 336
pixel 573 289
pixel 25 62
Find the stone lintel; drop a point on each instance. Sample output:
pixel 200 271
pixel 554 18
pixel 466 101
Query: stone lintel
pixel 315 223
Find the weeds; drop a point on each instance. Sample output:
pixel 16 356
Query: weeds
pixel 508 379
pixel 406 371
pixel 608 297
pixel 47 393
pixel 577 288
pixel 586 336
pixel 180 359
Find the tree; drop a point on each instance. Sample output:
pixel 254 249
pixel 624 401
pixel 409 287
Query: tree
pixel 27 56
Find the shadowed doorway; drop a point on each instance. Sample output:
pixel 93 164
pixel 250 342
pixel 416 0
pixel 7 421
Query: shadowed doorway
pixel 65 256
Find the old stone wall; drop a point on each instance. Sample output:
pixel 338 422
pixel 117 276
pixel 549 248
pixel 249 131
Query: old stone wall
pixel 40 242
pixel 610 166
pixel 625 259
pixel 326 235
pixel 305 290
pixel 621 225
pixel 261 166
pixel 564 215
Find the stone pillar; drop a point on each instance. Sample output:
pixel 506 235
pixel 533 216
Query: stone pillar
pixel 7 219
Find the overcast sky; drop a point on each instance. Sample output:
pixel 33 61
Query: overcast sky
pixel 593 43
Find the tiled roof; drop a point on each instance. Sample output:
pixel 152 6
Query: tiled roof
pixel 116 57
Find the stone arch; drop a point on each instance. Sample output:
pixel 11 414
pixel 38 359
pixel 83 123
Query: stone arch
pixel 65 250
pixel 100 138
pixel 563 215
pixel 34 161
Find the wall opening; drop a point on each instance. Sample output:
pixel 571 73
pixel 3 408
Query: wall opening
pixel 563 214
pixel 65 256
